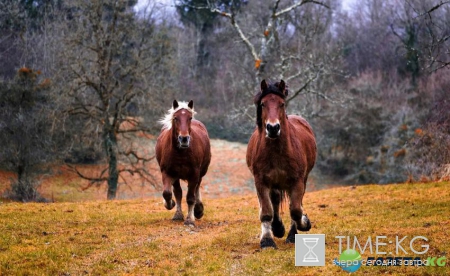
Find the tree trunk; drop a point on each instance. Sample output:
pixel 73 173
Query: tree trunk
pixel 20 172
pixel 111 152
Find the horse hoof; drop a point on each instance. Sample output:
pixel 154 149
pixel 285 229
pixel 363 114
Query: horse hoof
pixel 169 207
pixel 189 223
pixel 291 235
pixel 290 239
pixel 267 242
pixel 198 210
pixel 305 224
pixel 278 229
pixel 178 216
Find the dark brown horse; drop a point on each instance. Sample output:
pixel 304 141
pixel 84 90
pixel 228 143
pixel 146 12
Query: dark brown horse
pixel 183 152
pixel 280 154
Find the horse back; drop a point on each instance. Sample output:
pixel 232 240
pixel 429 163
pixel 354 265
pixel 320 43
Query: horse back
pixel 200 134
pixel 303 137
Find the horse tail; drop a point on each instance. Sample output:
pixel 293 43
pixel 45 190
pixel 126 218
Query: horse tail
pixel 284 199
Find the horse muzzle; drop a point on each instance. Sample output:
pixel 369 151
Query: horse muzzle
pixel 273 130
pixel 184 141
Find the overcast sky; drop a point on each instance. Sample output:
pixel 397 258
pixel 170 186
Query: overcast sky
pixel 164 5
pixel 167 6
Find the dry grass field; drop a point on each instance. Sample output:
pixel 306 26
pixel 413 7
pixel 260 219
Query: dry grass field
pixel 80 233
pixel 138 237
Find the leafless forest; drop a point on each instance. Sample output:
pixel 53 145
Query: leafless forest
pixel 81 80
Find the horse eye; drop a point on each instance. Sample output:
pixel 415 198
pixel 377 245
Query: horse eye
pixel 262 105
pixel 282 105
pixel 190 119
pixel 175 118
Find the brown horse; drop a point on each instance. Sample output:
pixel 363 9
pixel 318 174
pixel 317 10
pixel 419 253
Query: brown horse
pixel 183 152
pixel 280 154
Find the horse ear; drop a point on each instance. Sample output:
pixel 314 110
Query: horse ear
pixel 263 85
pixel 175 104
pixel 191 104
pixel 282 87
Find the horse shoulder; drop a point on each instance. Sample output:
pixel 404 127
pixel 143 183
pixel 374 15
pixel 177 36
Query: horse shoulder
pixel 199 125
pixel 300 123
pixel 199 131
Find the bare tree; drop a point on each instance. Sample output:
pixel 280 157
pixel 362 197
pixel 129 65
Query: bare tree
pixel 110 56
pixel 267 49
pixel 435 17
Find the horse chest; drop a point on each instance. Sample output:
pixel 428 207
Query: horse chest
pixel 278 170
pixel 276 176
pixel 181 165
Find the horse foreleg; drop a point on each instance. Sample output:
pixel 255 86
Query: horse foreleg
pixel 266 217
pixel 296 209
pixel 277 223
pixel 178 192
pixel 198 208
pixel 169 203
pixel 190 199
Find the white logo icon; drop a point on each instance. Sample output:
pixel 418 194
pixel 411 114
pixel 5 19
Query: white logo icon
pixel 310 256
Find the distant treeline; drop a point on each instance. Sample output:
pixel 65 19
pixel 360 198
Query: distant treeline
pixel 371 78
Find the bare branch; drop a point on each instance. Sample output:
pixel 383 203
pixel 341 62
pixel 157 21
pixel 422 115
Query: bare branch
pixel 239 30
pixel 437 6
pixel 288 9
pixel 92 180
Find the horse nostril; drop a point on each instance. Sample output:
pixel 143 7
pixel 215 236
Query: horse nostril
pixel 273 128
pixel 183 139
pixel 277 127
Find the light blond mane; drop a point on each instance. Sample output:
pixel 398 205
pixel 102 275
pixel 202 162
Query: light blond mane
pixel 168 118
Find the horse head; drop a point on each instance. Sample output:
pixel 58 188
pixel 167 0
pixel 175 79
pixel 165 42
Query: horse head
pixel 270 105
pixel 181 122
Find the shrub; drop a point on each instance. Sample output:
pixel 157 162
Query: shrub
pixel 25 190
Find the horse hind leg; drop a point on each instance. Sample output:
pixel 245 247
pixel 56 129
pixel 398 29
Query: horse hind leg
pixel 198 207
pixel 277 224
pixel 178 192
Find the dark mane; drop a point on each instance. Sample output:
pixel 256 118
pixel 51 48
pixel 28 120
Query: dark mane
pixel 272 88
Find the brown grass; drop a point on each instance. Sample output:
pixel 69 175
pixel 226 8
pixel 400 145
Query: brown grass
pixel 137 237
pixel 84 234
